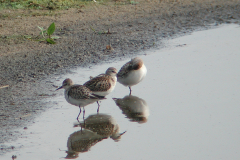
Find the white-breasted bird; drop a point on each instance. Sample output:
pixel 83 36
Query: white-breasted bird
pixel 78 95
pixel 132 73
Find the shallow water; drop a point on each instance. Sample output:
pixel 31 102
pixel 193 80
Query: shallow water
pixel 188 107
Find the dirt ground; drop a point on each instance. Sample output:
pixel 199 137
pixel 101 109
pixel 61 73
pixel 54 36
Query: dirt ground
pixel 85 36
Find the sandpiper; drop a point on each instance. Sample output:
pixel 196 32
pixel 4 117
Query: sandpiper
pixel 132 73
pixel 103 84
pixel 78 95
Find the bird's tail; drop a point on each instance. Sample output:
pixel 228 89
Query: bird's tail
pixel 100 97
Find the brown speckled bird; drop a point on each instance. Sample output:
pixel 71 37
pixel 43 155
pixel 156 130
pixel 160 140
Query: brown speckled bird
pixel 103 84
pixel 78 95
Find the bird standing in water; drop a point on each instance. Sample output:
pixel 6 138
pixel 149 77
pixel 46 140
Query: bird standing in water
pixel 132 73
pixel 78 95
pixel 103 84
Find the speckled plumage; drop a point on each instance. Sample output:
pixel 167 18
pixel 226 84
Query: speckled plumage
pixel 80 92
pixel 103 84
pixel 99 83
pixel 78 95
pixel 125 69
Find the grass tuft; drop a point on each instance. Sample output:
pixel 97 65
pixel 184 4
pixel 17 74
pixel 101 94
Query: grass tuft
pixel 42 4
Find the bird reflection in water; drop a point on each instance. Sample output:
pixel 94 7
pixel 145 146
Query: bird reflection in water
pixel 135 108
pixel 94 129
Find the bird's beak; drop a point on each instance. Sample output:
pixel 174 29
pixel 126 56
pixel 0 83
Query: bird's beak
pixel 122 133
pixel 59 88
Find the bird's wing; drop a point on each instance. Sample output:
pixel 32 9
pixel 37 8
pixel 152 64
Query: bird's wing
pixel 80 92
pixel 99 83
pixel 126 68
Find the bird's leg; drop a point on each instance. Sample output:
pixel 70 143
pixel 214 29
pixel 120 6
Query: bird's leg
pixel 83 113
pixel 84 123
pixel 79 113
pixel 130 90
pixel 98 106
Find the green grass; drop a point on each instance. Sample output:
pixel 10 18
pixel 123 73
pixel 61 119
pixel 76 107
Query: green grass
pixel 55 4
pixel 13 39
pixel 44 4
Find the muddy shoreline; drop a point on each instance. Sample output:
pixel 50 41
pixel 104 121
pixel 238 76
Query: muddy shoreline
pixel 28 71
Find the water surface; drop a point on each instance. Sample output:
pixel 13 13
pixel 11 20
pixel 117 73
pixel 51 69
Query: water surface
pixel 188 107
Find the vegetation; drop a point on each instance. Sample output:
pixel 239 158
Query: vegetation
pixel 42 4
pixel 46 34
pixel 54 4
pixel 44 8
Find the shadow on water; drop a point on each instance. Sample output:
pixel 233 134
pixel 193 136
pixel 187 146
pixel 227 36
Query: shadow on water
pixel 135 108
pixel 94 129
pixel 100 126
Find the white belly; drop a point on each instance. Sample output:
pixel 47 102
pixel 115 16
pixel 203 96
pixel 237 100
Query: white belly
pixel 79 102
pixel 134 77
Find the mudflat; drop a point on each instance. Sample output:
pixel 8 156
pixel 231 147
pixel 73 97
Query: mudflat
pixel 88 35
